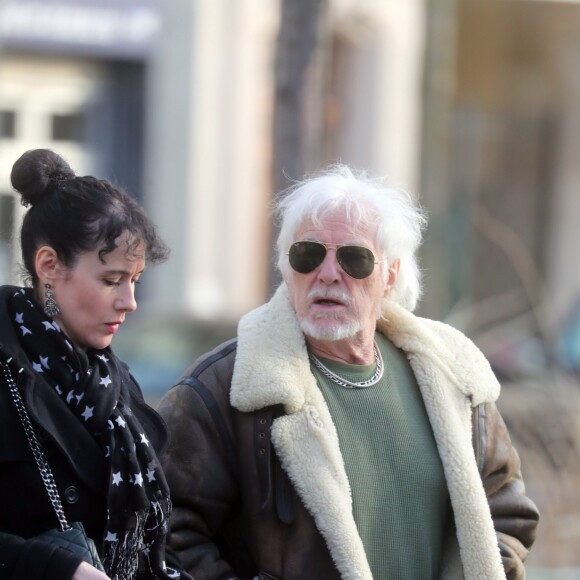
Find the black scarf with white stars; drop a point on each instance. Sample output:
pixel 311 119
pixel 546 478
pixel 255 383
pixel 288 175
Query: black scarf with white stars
pixel 90 383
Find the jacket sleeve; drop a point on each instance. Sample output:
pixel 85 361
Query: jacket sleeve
pixel 514 515
pixel 35 560
pixel 203 485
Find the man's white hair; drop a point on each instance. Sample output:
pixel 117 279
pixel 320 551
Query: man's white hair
pixel 398 219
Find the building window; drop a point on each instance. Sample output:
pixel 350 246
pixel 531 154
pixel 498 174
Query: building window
pixel 7 124
pixel 69 127
pixel 6 217
pixel 6 227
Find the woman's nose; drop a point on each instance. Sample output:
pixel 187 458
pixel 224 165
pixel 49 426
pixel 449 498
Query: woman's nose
pixel 127 302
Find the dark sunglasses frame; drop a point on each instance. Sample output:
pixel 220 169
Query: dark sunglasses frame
pixel 356 261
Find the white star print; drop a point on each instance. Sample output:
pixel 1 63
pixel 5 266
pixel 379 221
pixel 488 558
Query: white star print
pixel 44 362
pixel 105 381
pixel 48 325
pixel 117 479
pixel 111 426
pixel 120 421
pixel 87 413
pixel 58 389
pixel 111 537
pixel 150 475
pixel 19 318
pixel 37 367
pixel 144 439
pixel 70 396
pixel 103 357
pixel 108 454
pixel 79 398
pixel 138 479
pixel 25 330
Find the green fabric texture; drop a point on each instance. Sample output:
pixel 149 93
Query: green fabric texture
pixel 400 499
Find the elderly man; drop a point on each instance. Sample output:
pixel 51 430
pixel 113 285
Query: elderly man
pixel 341 436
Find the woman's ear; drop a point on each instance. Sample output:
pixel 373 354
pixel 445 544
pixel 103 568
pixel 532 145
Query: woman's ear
pixel 47 264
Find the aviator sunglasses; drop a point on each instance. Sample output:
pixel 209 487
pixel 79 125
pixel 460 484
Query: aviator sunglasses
pixel 357 261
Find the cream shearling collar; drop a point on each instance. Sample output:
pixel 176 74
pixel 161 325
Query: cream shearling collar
pixel 273 359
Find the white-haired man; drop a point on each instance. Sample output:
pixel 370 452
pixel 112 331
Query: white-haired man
pixel 341 436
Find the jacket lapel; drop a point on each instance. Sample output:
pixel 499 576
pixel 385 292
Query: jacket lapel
pixel 272 367
pixel 453 375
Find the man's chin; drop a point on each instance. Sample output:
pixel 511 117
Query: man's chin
pixel 329 332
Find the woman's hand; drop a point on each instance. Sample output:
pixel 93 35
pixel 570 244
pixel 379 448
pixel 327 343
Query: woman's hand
pixel 87 572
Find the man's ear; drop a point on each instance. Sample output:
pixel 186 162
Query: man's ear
pixel 392 274
pixel 47 264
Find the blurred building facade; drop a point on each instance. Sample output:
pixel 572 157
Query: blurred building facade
pixel 174 102
pixel 72 78
pixel 212 99
pixel 500 171
pixel 471 104
pixel 500 176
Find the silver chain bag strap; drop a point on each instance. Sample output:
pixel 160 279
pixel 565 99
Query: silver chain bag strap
pixel 69 536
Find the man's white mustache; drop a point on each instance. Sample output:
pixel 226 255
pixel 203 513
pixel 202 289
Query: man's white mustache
pixel 338 295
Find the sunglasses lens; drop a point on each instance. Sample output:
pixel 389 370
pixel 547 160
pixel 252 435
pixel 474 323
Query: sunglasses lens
pixel 357 261
pixel 305 257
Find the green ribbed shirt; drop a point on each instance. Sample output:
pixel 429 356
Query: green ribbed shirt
pixel 400 498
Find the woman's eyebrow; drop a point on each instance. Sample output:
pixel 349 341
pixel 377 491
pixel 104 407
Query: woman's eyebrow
pixel 121 272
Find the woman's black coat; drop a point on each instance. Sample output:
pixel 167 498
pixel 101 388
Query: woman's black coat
pixel 74 455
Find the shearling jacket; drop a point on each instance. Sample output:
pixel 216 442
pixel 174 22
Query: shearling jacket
pixel 258 482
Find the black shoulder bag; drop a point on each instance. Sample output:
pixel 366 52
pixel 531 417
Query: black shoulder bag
pixel 69 536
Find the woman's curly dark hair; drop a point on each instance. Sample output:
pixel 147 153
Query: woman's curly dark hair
pixel 75 214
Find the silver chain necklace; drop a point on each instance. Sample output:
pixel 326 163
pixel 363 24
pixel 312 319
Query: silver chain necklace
pixel 350 384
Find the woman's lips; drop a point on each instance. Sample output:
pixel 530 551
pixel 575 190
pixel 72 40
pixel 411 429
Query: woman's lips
pixel 113 327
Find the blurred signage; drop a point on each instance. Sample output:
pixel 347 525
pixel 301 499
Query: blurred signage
pixel 108 28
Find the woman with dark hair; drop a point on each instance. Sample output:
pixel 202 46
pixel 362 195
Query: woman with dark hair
pixel 84 244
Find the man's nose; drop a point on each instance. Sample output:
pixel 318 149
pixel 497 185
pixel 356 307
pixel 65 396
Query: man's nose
pixel 330 271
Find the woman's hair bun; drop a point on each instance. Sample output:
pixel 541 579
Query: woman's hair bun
pixel 36 172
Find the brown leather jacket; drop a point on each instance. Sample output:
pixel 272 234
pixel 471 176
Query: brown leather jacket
pixel 233 423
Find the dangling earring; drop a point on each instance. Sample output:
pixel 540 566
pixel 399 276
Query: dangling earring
pixel 51 308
